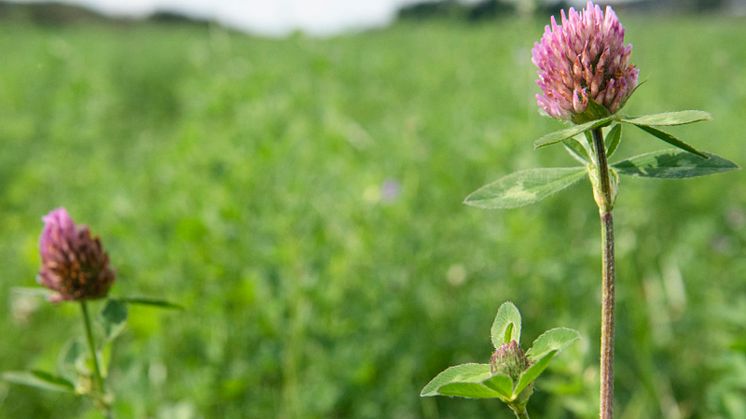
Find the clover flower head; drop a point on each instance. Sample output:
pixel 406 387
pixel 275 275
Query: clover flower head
pixel 583 59
pixel 73 263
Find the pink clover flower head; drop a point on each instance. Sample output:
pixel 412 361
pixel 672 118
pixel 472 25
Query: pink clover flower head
pixel 73 263
pixel 582 60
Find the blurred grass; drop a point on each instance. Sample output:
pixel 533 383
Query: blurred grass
pixel 244 178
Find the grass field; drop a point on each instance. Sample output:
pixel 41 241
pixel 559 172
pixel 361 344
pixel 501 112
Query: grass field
pixel 302 197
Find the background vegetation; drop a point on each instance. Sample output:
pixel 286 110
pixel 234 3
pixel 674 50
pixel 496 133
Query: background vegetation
pixel 302 198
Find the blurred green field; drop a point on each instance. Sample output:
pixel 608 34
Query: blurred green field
pixel 302 197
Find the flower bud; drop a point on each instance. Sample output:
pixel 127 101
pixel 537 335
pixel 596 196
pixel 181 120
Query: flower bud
pixel 509 359
pixel 73 263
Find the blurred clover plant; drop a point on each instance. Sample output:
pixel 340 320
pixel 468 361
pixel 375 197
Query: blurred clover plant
pixel 586 79
pixel 75 267
pixel 511 373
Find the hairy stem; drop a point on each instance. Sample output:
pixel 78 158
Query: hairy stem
pixel 605 205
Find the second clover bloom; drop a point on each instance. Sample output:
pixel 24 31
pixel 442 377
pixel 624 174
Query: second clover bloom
pixel 73 262
pixel 583 59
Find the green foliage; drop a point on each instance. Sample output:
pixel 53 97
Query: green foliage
pixel 576 150
pixel 76 364
pixel 530 186
pixel 532 373
pixel 506 326
pixel 645 123
pixel 477 381
pixel 525 187
pixel 113 319
pixel 502 384
pixel 669 118
pixel 242 178
pixel 553 340
pixel 613 138
pixel 39 379
pixel 673 164
pixel 152 302
pixel 563 134
pixel 670 139
pixel 462 381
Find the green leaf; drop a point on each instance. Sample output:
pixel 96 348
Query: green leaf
pixel 113 318
pixel 39 379
pixel 576 150
pixel 669 118
pixel 563 134
pixel 502 384
pixel 72 359
pixel 532 373
pixel 552 340
pixel 670 139
pixel 153 302
pixel 544 348
pixel 673 164
pixel 613 138
pixel 469 391
pixel 507 325
pixel 524 187
pixel 461 381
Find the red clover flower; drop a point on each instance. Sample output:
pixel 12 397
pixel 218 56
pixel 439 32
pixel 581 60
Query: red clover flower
pixel 584 59
pixel 73 263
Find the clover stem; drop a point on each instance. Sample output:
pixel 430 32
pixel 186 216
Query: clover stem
pixel 520 411
pixel 605 200
pixel 99 392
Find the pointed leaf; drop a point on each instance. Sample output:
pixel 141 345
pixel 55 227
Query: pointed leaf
pixel 563 134
pixel 113 318
pixel 552 340
pixel 461 381
pixel 524 187
pixel 612 139
pixel 153 302
pixel 670 139
pixel 39 379
pixel 506 326
pixel 669 118
pixel 576 151
pixel 532 373
pixel 673 164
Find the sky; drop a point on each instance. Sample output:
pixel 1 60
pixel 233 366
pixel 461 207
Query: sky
pixel 271 17
pixel 268 17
